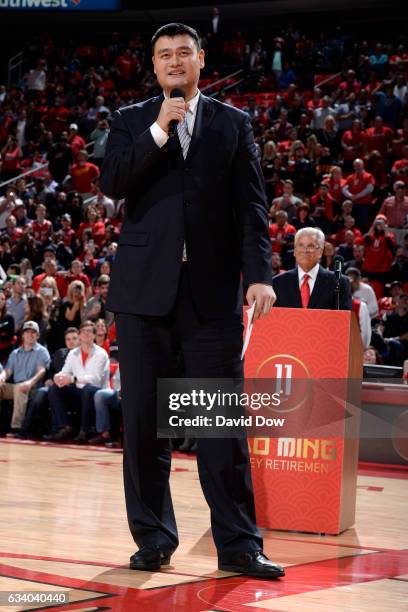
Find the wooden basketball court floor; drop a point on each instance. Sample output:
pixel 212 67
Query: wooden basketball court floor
pixel 63 528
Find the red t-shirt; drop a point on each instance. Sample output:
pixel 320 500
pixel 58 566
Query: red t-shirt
pixel 339 237
pixel 378 139
pixel 69 278
pixel 37 280
pixel 98 231
pixel 279 233
pixel 357 183
pixel 41 231
pixel 336 189
pixel 378 254
pixel 82 176
pixel 325 203
pixel 355 140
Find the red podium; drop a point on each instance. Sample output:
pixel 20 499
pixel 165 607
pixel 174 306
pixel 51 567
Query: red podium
pixel 307 483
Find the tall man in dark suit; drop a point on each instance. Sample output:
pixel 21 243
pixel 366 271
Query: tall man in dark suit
pixel 195 218
pixel 309 285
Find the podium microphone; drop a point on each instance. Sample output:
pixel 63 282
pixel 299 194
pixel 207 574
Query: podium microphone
pixel 338 261
pixel 175 93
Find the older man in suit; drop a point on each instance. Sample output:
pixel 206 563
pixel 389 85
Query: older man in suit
pixel 309 285
pixel 195 219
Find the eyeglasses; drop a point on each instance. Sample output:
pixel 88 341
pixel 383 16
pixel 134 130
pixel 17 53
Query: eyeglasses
pixel 311 248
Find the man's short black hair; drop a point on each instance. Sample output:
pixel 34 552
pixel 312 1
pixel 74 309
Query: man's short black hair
pixel 176 29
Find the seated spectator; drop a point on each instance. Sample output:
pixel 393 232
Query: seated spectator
pixel 354 143
pixel 36 311
pixel 10 155
pixel 94 224
pixel 399 268
pixel 372 356
pixel 339 218
pixel 73 308
pixel 358 258
pixel 41 227
pixel 99 137
pixel 388 303
pixel 346 249
pixel 329 137
pixel 379 137
pixel 391 337
pixel 52 301
pixel 379 248
pixel 358 188
pixel 279 230
pixel 322 207
pixel 16 303
pixel 7 337
pixel 276 264
pixel 303 217
pixel 50 268
pixel 26 365
pixel 363 291
pixel 287 201
pixel 107 401
pixel 37 417
pixel 101 334
pixel 349 226
pixel 395 208
pixel 100 199
pixel 83 174
pixel 327 260
pixel 8 203
pixel 76 272
pixel 77 143
pixel 95 308
pixel 85 370
pixel 302 170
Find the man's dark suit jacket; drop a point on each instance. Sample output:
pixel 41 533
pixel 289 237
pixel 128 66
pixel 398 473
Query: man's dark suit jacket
pixel 214 201
pixel 287 291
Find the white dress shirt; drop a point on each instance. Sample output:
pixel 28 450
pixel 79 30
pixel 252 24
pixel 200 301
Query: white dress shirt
pixel 366 294
pixel 365 324
pixel 160 137
pixel 94 372
pixel 312 276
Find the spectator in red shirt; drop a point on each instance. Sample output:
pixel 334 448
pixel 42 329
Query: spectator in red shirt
pixel 379 137
pixel 50 269
pixel 69 237
pixel 76 141
pixel 322 207
pixel 279 230
pixel 395 208
pixel 336 183
pixel 399 170
pixel 93 223
pixel 359 188
pixel 349 224
pixel 12 231
pixel 350 84
pixel 83 174
pixel 353 142
pixel 379 247
pixel 41 227
pixel 76 273
pixel 10 156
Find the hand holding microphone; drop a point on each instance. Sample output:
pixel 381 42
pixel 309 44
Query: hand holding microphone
pixel 172 111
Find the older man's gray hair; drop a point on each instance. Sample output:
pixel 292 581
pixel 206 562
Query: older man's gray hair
pixel 311 231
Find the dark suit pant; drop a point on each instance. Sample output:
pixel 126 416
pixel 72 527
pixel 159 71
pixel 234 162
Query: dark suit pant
pixel 153 347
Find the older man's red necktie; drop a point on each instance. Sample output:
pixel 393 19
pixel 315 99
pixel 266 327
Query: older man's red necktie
pixel 305 291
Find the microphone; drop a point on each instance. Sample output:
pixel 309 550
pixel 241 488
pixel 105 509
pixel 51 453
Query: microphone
pixel 175 93
pixel 338 261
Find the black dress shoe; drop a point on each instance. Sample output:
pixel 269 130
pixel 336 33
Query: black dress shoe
pixel 253 563
pixel 149 559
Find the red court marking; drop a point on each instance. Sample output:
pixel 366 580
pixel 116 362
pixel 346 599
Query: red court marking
pixel 370 488
pixel 230 594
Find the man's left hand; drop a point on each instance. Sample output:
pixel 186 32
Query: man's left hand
pixel 264 296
